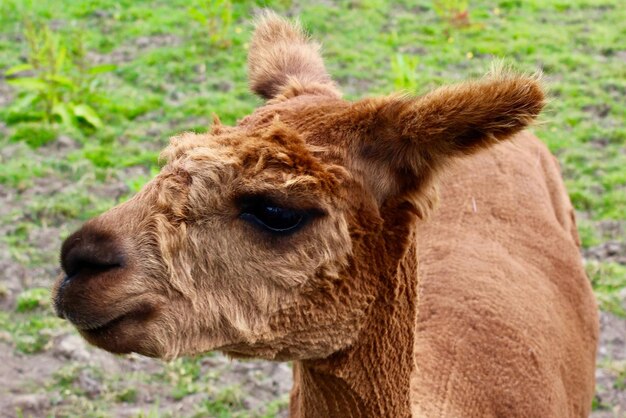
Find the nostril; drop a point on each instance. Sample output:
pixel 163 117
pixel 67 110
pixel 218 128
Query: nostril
pixel 79 262
pixel 90 252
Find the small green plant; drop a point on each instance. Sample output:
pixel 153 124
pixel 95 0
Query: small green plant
pixel 620 378
pixel 607 280
pixel 225 403
pixel 32 299
pixel 33 134
pixel 100 156
pixel 217 17
pixel 597 404
pixel 56 78
pixel 404 71
pixel 31 334
pixel 65 377
pixel 275 4
pixel 273 408
pixel 454 12
pixel 128 395
pixel 184 376
pixel 153 412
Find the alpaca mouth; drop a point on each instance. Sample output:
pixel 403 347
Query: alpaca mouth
pixel 108 328
pixel 97 328
pixel 125 333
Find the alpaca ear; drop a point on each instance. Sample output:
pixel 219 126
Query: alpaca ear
pixel 283 61
pixel 411 139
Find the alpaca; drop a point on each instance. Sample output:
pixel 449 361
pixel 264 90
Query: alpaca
pixel 313 231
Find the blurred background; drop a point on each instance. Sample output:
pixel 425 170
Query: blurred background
pixel 91 90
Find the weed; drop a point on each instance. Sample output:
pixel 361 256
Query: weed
pixel 76 380
pixel 32 299
pixel 153 412
pixel 598 405
pixel 620 379
pixel 589 236
pixel 217 17
pixel 34 134
pixel 100 156
pixel 183 375
pixel 608 280
pixel 275 4
pixel 128 395
pixel 30 333
pixel 65 377
pixel 275 407
pixel 223 404
pixel 404 70
pixel 56 77
pixel 18 173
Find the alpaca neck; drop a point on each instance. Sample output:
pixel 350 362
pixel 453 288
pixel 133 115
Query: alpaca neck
pixel 372 377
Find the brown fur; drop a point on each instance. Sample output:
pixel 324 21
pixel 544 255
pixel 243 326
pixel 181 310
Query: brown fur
pixel 284 63
pixel 500 321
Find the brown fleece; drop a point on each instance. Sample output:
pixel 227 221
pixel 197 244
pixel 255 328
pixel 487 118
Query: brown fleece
pixel 507 326
pixel 481 310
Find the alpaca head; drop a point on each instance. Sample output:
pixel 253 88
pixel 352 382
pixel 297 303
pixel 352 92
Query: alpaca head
pixel 264 239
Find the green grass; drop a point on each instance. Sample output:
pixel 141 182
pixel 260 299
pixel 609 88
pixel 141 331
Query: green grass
pixel 32 299
pixel 34 134
pixel 609 282
pixel 225 403
pixel 29 333
pixel 183 375
pixel 171 76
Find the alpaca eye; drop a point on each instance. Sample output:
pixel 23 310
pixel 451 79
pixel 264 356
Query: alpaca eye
pixel 272 217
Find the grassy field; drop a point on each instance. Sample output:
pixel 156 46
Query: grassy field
pixel 91 90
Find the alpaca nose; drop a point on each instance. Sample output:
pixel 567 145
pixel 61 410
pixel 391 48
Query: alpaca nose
pixel 89 252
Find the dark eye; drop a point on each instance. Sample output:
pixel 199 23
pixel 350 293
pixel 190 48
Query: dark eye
pixel 272 217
